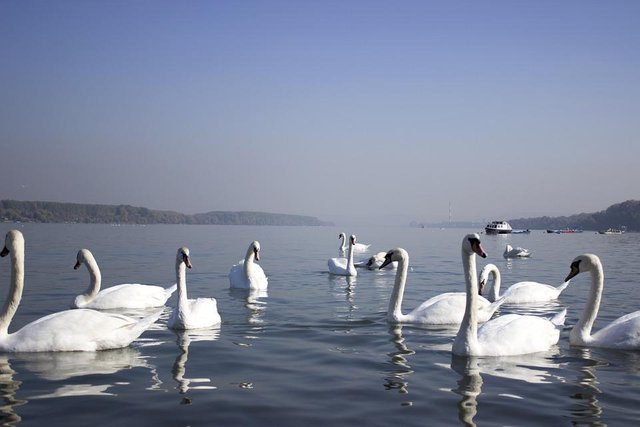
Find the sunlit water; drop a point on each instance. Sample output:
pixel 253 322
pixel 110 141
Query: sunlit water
pixel 317 349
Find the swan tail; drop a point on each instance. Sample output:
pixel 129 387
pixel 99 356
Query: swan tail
pixel 171 289
pixel 563 286
pixel 559 318
pixel 144 323
pixel 497 303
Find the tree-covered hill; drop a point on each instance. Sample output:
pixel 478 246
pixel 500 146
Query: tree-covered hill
pixel 56 212
pixel 615 216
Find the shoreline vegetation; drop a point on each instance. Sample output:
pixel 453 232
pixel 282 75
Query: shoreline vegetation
pixel 60 212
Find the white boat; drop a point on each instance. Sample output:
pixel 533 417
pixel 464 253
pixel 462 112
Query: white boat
pixel 613 231
pixel 498 227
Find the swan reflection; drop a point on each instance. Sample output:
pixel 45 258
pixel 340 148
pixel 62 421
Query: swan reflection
pixel 8 389
pixel 184 339
pixel 253 301
pixel 402 369
pixel 535 368
pixel 344 287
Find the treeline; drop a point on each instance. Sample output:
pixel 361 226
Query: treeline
pixel 615 216
pixel 56 212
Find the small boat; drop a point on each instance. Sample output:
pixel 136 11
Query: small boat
pixel 565 231
pixel 498 227
pixel 527 231
pixel 612 231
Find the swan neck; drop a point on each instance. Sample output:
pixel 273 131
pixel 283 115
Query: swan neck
pixel 466 341
pixel 394 312
pixel 181 280
pixel 15 290
pixel 581 332
pixel 496 282
pixel 94 275
pixel 248 262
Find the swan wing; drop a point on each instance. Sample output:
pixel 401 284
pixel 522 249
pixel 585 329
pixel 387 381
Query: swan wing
pixel 514 334
pixel 131 295
pixel 199 313
pixel 530 292
pixel 622 333
pixel 78 330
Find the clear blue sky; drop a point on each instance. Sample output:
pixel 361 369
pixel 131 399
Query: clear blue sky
pixel 367 110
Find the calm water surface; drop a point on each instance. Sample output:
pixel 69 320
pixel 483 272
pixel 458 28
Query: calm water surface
pixel 316 349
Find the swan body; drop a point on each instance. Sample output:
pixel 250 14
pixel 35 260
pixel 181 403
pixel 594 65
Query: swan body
pixel 511 252
pixel 622 333
pixel 518 293
pixel 357 247
pixel 344 266
pixel 247 274
pixel 127 295
pixel 508 335
pixel 191 313
pixel 375 261
pixel 443 309
pixel 69 330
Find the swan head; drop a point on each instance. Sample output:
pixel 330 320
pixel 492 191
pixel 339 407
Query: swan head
pixel 255 247
pixel 471 244
pixel 82 256
pixel 484 276
pixel 352 239
pixel 582 263
pixel 12 241
pixel 183 256
pixel 397 254
pixel 342 236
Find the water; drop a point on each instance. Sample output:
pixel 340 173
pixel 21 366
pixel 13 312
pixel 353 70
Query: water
pixel 317 349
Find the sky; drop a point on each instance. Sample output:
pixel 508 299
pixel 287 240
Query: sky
pixel 352 111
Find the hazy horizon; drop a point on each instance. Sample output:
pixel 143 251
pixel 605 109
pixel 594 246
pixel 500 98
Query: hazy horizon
pixel 365 112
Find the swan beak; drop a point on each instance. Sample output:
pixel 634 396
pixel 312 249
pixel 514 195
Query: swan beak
pixel 477 248
pixel 481 287
pixel 387 261
pixel 4 252
pixel 77 266
pixel 187 260
pixel 575 269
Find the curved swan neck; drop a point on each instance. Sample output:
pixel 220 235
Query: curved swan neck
pixel 394 312
pixel 581 332
pixel 350 266
pixel 494 273
pixel 15 289
pixel 343 242
pixel 467 338
pixel 248 261
pixel 94 274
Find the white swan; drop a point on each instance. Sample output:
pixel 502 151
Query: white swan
pixel 622 333
pixel 511 252
pixel 247 274
pixel 357 247
pixel 127 295
pixel 507 335
pixel 518 293
pixel 443 309
pixel 344 266
pixel 191 313
pixel 374 262
pixel 69 330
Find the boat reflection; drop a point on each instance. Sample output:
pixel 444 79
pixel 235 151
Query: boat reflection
pixel 184 340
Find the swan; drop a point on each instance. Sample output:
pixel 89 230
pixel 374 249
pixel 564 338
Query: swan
pixel 191 313
pixel 622 333
pixel 247 274
pixel 357 247
pixel 69 330
pixel 374 262
pixel 511 252
pixel 518 293
pixel 344 266
pixel 508 335
pixel 443 309
pixel 128 295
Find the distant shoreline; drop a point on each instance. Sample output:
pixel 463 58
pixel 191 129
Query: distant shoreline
pixel 79 213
